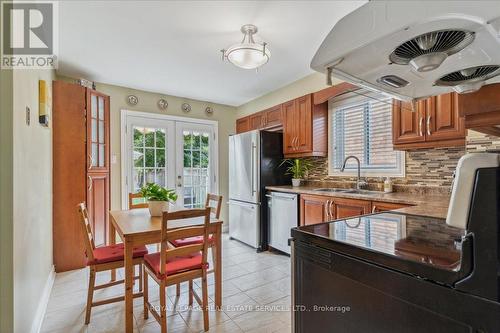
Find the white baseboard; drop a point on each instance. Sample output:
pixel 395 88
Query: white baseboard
pixel 36 326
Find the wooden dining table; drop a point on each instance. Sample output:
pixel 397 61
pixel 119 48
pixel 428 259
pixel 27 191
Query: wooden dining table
pixel 137 227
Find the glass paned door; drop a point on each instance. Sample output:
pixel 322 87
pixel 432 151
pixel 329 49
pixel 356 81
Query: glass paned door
pixel 97 135
pixel 152 153
pixel 195 163
pixel 172 153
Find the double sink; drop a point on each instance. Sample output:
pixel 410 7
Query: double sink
pixel 345 190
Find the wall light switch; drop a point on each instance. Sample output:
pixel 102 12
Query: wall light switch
pixel 113 159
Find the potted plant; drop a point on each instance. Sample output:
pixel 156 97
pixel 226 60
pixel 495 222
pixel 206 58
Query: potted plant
pixel 297 168
pixel 158 198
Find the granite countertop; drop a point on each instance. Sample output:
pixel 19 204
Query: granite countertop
pixel 432 205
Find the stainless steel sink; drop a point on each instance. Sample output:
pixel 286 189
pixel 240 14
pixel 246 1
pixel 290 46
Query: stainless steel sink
pixel 345 190
pixel 332 189
pixel 356 191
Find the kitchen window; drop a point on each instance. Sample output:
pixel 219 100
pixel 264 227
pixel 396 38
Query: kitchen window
pixel 361 125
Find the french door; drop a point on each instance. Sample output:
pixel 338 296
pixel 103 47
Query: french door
pixel 176 154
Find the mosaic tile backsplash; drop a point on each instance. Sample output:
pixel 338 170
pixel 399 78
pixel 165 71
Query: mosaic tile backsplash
pixel 427 170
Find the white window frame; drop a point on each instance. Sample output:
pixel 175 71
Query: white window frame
pixel 332 171
pixel 125 154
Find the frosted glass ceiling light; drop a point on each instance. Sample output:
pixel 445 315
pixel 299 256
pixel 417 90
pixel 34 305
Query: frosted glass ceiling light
pixel 248 54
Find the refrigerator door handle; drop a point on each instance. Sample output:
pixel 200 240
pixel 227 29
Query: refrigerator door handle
pixel 237 203
pixel 254 148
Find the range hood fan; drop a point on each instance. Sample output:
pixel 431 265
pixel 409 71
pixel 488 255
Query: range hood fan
pixel 469 79
pixel 428 51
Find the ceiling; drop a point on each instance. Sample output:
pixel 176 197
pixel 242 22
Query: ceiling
pixel 173 47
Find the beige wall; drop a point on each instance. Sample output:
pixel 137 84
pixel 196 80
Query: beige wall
pixel 309 84
pixel 6 205
pixel 32 195
pixel 223 114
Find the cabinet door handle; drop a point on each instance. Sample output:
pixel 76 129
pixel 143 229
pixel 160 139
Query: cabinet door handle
pixel 421 125
pixel 327 209
pixel 91 164
pixel 90 183
pixel 374 209
pixel 331 210
pixel 428 125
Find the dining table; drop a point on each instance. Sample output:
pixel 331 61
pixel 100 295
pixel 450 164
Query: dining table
pixel 136 227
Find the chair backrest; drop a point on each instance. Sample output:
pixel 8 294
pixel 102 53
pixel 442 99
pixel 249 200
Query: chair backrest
pixel 88 238
pixel 179 233
pixel 217 200
pixel 132 205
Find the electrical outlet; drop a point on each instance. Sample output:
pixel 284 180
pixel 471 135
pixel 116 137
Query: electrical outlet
pixel 28 116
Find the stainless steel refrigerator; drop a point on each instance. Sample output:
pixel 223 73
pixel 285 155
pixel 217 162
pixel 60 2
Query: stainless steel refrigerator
pixel 254 163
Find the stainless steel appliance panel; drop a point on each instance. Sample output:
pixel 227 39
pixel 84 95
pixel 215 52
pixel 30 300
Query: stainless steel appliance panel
pixel 245 222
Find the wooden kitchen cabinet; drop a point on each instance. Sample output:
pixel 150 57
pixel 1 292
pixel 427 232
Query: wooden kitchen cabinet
pixel 378 206
pixel 305 128
pixel 407 124
pixel 81 170
pixel 98 205
pixel 243 125
pixel 443 121
pixel 435 122
pixel 273 117
pixel 343 208
pixel 267 119
pixel 315 209
pixel 481 109
pixel 256 120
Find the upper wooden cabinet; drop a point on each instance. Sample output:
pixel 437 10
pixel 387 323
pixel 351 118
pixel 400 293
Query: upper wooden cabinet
pixel 267 119
pixel 443 120
pixel 481 109
pixel 434 123
pixel 243 125
pixel 274 117
pixel 305 127
pixel 304 124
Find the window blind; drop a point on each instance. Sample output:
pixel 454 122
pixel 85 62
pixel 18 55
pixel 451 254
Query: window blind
pixel 362 126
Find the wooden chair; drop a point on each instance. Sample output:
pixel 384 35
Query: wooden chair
pixel 105 258
pixel 131 205
pixel 215 212
pixel 175 265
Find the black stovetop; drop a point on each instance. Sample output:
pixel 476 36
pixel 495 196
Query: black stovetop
pixel 409 243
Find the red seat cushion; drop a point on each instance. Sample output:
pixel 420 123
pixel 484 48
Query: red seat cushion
pixel 115 252
pixel 191 241
pixel 173 266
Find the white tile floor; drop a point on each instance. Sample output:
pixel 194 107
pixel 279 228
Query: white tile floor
pixel 256 298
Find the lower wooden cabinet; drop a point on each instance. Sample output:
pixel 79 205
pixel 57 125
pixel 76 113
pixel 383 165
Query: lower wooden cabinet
pixel 378 206
pixel 314 209
pixel 350 207
pixel 319 208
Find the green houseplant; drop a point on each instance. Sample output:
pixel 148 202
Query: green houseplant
pixel 158 198
pixel 297 168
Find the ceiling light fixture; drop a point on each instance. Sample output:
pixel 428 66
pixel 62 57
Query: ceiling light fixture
pixel 248 54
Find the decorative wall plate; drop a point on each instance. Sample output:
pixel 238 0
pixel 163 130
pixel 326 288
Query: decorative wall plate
pixel 162 104
pixel 132 100
pixel 209 110
pixel 186 107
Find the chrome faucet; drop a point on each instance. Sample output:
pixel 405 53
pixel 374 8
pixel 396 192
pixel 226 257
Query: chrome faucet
pixel 360 183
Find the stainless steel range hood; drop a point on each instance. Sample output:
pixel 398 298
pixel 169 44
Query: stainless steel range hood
pixel 415 49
